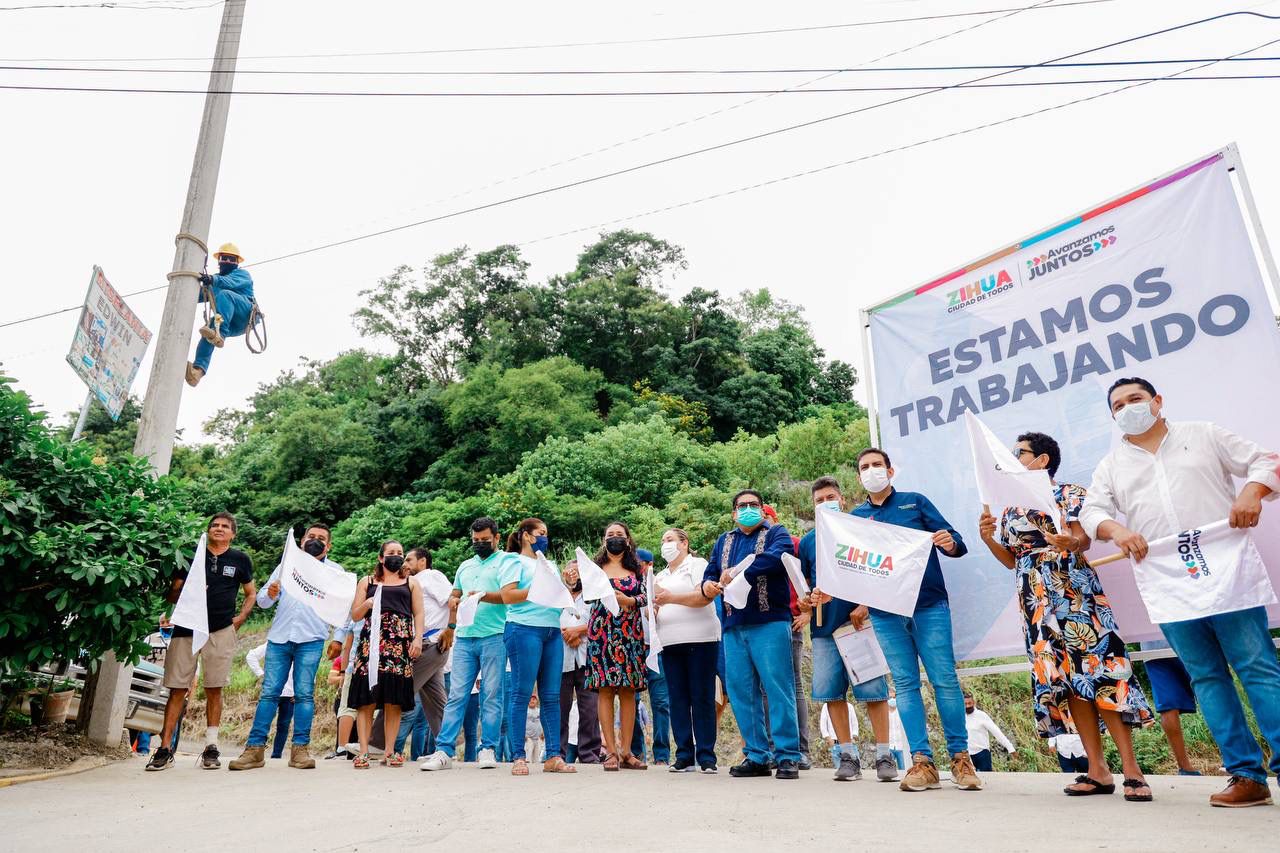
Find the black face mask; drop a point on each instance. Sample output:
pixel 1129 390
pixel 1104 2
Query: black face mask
pixel 225 267
pixel 393 563
pixel 577 587
pixel 483 549
pixel 615 545
pixel 314 547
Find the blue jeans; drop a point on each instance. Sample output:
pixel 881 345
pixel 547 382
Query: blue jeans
pixel 759 656
pixel 691 683
pixel 660 714
pixel 303 658
pixel 1210 648
pixel 415 723
pixel 235 310
pixel 472 656
pixel 537 656
pixel 283 717
pixel 924 638
pixel 470 724
pixel 504 744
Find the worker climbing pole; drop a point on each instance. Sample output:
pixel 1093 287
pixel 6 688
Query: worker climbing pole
pixel 230 310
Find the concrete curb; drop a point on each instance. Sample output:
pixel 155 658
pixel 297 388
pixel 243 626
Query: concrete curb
pixel 79 766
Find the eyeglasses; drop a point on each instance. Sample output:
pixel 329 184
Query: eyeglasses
pixel 1018 451
pixel 754 504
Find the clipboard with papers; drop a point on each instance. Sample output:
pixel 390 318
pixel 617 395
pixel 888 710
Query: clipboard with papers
pixel 860 650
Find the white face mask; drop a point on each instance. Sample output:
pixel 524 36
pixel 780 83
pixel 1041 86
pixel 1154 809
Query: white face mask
pixel 832 505
pixel 670 550
pixel 875 479
pixel 1135 418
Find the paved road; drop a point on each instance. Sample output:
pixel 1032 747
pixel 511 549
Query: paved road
pixel 337 808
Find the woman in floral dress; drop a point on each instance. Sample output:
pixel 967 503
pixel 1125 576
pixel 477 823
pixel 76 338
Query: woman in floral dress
pixel 400 643
pixel 1079 667
pixel 615 646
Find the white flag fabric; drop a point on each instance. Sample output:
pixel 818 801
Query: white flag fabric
pixel 325 590
pixel 870 562
pixel 192 609
pixel 655 642
pixel 546 588
pixel 1197 573
pixel 738 590
pixel 375 638
pixel 467 610
pixel 1002 481
pixel 795 574
pixel 595 584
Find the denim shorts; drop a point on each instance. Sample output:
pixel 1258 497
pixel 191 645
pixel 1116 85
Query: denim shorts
pixel 831 679
pixel 1171 686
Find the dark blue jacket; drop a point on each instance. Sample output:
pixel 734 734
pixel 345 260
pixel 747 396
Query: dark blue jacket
pixel 770 598
pixel 835 612
pixel 914 510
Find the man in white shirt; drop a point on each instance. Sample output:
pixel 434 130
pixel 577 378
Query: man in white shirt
pixel 1165 478
pixel 981 729
pixel 1070 751
pixel 428 669
pixel 581 729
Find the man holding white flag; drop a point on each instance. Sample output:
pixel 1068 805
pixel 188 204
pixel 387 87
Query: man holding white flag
pixel 295 643
pixel 205 624
pixel 1176 480
pixel 925 635
pixel 757 638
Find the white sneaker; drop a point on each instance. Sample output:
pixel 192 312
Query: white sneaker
pixel 486 760
pixel 437 760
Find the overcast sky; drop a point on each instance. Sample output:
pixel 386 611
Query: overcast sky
pixel 100 178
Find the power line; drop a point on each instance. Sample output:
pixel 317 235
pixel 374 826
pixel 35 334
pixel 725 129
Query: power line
pixel 731 143
pixel 857 69
pixel 609 43
pixel 923 87
pixel 135 6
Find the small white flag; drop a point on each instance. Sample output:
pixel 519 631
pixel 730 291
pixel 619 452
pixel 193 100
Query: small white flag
pixel 467 610
pixel 375 638
pixel 738 590
pixel 546 588
pixel 596 585
pixel 327 591
pixel 1197 573
pixel 192 609
pixel 795 574
pixel 655 643
pixel 1002 481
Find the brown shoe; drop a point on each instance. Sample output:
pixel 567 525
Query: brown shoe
pixel 251 758
pixel 212 336
pixel 1242 792
pixel 300 756
pixel 922 776
pixel 194 375
pixel 963 776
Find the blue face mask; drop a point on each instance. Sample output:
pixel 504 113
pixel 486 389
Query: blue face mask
pixel 541 543
pixel 749 516
pixel 831 505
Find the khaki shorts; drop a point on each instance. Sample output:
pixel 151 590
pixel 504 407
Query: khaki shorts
pixel 345 710
pixel 180 662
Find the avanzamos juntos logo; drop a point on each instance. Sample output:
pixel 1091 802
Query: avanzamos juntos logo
pixel 1076 250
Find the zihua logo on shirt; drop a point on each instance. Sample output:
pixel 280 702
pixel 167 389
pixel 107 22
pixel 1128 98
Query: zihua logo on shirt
pixel 851 558
pixel 1191 555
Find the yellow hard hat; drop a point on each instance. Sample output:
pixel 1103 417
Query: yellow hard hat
pixel 230 249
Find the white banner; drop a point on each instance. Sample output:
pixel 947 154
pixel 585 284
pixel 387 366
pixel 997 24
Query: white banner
pixel 192 609
pixel 108 345
pixel 870 562
pixel 325 590
pixel 1160 283
pixel 1196 573
pixel 1002 480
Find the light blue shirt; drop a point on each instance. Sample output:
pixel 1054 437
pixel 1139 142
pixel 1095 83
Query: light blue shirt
pixel 351 629
pixel 295 622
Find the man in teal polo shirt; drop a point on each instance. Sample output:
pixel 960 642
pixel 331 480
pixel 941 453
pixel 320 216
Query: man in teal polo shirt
pixel 478 650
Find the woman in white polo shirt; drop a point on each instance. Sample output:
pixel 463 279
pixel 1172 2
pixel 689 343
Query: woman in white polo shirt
pixel 690 634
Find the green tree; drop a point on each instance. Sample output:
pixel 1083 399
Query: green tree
pixel 641 255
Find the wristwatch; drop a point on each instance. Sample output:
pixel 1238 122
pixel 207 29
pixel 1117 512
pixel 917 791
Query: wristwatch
pixel 453 625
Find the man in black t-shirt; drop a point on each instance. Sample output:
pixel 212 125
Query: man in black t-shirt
pixel 227 571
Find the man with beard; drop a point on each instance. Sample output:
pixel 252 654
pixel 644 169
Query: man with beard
pixel 295 642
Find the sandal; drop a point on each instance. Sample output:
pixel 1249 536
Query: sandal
pixel 519 767
pixel 630 762
pixel 1095 788
pixel 361 762
pixel 610 762
pixel 396 760
pixel 556 764
pixel 1134 785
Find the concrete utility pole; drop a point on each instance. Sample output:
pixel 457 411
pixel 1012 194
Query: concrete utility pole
pixel 159 423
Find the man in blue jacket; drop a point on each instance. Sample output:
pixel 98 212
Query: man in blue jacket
pixel 757 638
pixel 925 636
pixel 232 290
